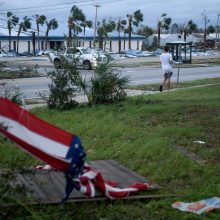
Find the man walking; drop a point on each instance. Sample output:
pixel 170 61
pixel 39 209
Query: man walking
pixel 166 61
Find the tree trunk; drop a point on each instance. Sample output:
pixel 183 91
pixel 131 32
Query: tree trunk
pixel 119 41
pixel 46 38
pixel 33 42
pixel 101 42
pixel 9 30
pixel 129 34
pixel 70 37
pixel 158 38
pixel 38 40
pixel 124 39
pixel 185 36
pixel 84 34
pixel 19 31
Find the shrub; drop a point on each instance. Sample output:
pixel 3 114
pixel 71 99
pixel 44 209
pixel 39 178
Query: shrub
pixel 63 87
pixel 10 91
pixel 107 84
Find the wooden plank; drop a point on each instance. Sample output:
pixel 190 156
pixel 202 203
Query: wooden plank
pixel 114 171
pixel 48 187
pixel 104 199
pixel 191 155
pixel 32 187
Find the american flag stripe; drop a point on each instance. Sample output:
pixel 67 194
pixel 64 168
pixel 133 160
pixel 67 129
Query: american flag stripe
pixel 38 138
pixel 38 141
pixel 53 145
pixel 33 123
pixel 93 179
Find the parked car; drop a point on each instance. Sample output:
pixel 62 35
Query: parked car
pixel 4 53
pixel 26 54
pixel 86 57
pixel 43 52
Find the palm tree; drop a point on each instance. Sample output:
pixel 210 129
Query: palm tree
pixel 103 29
pixel 133 19
pixel 11 23
pixel 120 26
pixel 75 17
pixel 188 29
pixel 51 25
pixel 40 20
pixel 164 22
pixel 23 26
pixel 206 21
pixel 125 32
pixel 84 25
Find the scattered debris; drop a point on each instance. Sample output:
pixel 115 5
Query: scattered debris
pixel 191 155
pixel 199 142
pixel 205 205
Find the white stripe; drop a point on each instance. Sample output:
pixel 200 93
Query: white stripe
pixel 46 145
pixel 90 175
pixel 114 189
pixel 83 188
pixel 92 188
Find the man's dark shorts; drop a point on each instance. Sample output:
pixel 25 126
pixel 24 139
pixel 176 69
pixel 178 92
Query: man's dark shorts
pixel 168 75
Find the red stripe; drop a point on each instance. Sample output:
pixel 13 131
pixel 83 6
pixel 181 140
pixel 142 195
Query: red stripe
pixel 99 183
pixel 119 194
pixel 52 161
pixel 33 123
pixel 88 189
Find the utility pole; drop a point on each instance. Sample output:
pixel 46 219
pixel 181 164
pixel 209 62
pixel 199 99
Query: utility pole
pixel 217 33
pixel 33 43
pixel 96 8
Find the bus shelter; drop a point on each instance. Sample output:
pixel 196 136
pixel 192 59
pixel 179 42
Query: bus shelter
pixel 181 51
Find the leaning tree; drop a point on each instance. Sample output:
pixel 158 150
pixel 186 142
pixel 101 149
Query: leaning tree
pixel 76 17
pixel 206 21
pixel 40 20
pixel 51 25
pixel 188 29
pixel 85 24
pixel 133 20
pixel 23 26
pixel 120 26
pixel 11 23
pixel 103 29
pixel 163 23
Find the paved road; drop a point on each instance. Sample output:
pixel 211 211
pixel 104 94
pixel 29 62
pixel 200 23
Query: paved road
pixel 31 87
pixel 151 75
pixel 141 75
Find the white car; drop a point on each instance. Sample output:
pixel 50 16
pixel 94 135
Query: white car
pixel 86 57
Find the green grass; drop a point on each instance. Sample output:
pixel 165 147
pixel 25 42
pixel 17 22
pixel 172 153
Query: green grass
pixel 141 134
pixel 174 85
pixel 7 74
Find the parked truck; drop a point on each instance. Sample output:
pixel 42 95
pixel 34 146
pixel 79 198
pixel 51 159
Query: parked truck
pixel 86 57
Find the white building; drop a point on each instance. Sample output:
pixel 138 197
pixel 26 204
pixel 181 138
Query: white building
pixel 58 39
pixel 167 38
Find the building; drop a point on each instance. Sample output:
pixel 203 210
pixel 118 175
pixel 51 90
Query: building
pixel 166 38
pixel 58 39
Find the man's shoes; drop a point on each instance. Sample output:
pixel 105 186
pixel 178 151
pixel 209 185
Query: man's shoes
pixel 161 88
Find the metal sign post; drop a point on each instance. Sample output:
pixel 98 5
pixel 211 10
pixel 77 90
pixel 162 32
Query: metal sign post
pixel 179 61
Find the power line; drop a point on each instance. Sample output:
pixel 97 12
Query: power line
pixel 24 9
pixel 67 3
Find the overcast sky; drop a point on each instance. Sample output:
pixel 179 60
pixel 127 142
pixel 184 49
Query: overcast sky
pixel 181 11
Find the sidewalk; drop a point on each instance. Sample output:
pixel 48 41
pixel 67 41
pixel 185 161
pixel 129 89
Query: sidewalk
pixel 130 92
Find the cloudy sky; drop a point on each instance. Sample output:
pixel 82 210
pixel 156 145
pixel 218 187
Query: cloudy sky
pixel 181 11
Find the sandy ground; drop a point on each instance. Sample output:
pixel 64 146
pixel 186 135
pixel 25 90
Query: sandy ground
pixel 14 62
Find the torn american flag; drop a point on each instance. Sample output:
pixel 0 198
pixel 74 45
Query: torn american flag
pixel 59 149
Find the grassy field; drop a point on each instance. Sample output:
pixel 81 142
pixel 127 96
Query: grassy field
pixel 140 133
pixel 174 85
